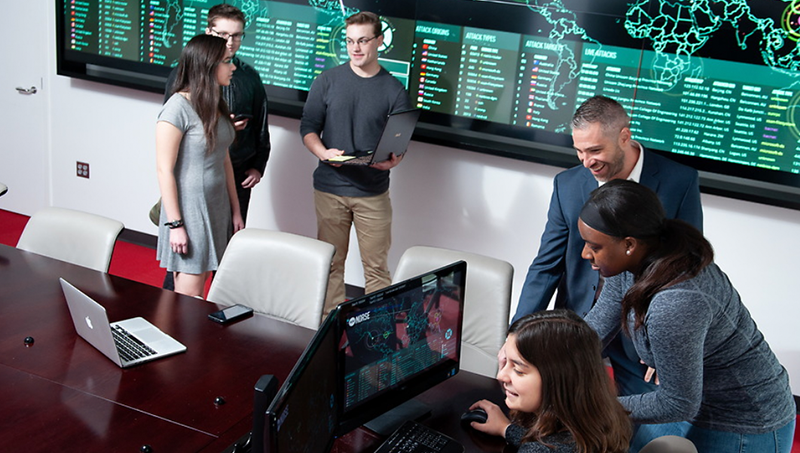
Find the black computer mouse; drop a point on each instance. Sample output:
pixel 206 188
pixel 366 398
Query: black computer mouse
pixel 474 415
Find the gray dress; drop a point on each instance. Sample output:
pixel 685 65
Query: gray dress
pixel 202 192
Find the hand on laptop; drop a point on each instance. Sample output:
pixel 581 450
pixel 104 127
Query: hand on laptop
pixel 389 163
pixel 330 153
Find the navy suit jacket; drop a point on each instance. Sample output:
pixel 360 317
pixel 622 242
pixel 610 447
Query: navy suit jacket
pixel 559 263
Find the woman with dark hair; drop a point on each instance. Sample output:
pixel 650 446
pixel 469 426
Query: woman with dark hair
pixel 557 388
pixel 720 385
pixel 200 209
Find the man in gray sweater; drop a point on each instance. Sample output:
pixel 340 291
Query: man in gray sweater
pixel 345 112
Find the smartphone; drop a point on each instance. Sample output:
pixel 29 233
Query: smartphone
pixel 241 117
pixel 230 314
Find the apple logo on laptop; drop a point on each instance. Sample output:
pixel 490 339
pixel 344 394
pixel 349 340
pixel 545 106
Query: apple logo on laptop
pixel 89 323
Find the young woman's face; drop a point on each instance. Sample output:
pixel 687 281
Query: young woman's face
pixel 608 255
pixel 225 71
pixel 521 381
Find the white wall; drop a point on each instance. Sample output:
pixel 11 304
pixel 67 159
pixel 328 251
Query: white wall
pixel 442 196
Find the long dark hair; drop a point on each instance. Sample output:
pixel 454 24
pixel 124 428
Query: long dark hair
pixel 197 75
pixel 577 393
pixel 675 251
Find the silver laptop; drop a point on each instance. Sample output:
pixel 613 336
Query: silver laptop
pixel 396 135
pixel 126 343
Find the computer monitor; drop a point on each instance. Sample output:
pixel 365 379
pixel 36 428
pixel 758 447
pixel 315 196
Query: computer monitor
pixel 398 342
pixel 303 416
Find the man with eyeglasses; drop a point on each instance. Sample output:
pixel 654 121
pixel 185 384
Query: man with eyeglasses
pixel 247 102
pixel 345 112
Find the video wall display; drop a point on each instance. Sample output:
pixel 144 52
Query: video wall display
pixel 712 83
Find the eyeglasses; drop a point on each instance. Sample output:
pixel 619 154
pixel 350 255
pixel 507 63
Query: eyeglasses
pixel 226 36
pixel 360 42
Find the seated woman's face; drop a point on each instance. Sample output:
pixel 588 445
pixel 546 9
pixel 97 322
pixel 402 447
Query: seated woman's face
pixel 521 381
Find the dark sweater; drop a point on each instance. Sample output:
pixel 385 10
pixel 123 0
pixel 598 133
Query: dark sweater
pixel 715 368
pixel 558 442
pixel 349 112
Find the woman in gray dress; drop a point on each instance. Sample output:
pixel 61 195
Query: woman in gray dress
pixel 200 209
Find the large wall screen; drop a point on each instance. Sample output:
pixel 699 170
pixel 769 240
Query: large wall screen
pixel 713 84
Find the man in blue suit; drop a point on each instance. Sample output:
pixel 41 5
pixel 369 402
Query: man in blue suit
pixel 601 136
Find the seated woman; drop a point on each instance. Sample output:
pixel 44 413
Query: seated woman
pixel 720 385
pixel 561 398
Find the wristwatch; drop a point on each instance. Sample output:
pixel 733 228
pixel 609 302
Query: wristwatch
pixel 174 224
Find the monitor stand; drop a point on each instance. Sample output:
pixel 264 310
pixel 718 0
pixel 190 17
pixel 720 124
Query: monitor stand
pixel 388 423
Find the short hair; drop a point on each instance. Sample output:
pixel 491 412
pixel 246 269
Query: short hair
pixel 225 11
pixel 603 110
pixel 366 18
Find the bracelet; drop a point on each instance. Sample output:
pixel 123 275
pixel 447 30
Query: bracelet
pixel 174 224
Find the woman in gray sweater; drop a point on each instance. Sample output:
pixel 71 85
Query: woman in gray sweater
pixel 720 385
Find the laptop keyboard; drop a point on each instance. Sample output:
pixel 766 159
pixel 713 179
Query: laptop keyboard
pixel 415 438
pixel 360 160
pixel 128 346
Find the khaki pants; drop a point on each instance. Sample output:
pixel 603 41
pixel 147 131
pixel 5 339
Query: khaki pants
pixel 372 217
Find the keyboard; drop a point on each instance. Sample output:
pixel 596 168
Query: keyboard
pixel 361 160
pixel 129 347
pixel 415 438
pixel 365 159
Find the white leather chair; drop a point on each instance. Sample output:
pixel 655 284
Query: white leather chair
pixel 486 305
pixel 279 274
pixel 669 444
pixel 73 236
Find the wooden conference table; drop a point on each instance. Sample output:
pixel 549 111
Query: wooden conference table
pixel 60 394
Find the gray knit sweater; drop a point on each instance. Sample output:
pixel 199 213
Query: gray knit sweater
pixel 714 366
pixel 349 112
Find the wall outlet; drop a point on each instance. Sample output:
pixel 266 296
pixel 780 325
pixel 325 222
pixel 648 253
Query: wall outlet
pixel 82 169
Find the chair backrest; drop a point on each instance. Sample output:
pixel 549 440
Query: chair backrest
pixel 279 274
pixel 669 444
pixel 486 305
pixel 73 236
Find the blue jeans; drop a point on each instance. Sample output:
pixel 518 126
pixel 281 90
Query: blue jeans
pixel 706 440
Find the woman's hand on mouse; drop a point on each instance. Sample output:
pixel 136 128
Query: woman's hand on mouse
pixel 496 421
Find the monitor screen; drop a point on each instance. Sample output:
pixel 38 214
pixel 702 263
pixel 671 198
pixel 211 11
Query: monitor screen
pixel 714 87
pixel 398 342
pixel 303 416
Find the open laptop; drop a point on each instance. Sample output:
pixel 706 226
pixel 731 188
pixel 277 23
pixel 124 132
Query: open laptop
pixel 126 343
pixel 394 140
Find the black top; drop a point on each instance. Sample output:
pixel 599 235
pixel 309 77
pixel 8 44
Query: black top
pixel 555 443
